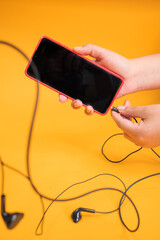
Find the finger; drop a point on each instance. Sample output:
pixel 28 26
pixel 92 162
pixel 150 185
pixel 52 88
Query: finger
pixel 91 50
pixel 140 112
pixel 127 104
pixel 89 110
pixel 125 124
pixel 76 104
pixel 62 98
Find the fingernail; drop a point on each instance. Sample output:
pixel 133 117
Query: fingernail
pixel 76 105
pixel 88 110
pixel 62 98
pixel 121 108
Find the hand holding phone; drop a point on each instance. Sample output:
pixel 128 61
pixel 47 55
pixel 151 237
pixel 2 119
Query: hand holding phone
pixel 74 76
pixel 108 59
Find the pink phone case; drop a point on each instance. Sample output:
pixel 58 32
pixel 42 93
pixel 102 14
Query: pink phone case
pixel 106 69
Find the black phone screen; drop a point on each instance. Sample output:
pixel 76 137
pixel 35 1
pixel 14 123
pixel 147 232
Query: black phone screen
pixel 74 76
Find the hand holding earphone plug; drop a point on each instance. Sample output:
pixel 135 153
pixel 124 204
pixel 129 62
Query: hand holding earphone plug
pixel 145 133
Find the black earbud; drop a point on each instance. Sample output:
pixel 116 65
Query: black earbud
pixel 76 215
pixel 11 219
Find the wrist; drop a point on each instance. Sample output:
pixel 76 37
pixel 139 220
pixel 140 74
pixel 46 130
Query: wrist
pixel 145 72
pixel 136 76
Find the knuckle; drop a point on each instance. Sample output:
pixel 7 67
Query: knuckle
pixel 142 142
pixel 139 142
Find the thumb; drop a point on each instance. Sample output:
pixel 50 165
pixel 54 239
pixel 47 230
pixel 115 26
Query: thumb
pixel 105 57
pixel 133 112
pixel 91 50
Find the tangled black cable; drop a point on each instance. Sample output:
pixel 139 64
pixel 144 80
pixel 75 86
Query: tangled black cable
pixel 28 176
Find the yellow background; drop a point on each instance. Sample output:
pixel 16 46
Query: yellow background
pixel 66 145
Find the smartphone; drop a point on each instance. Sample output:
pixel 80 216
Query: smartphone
pixel 73 75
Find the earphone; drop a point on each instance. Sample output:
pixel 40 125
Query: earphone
pixel 12 219
pixel 76 215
